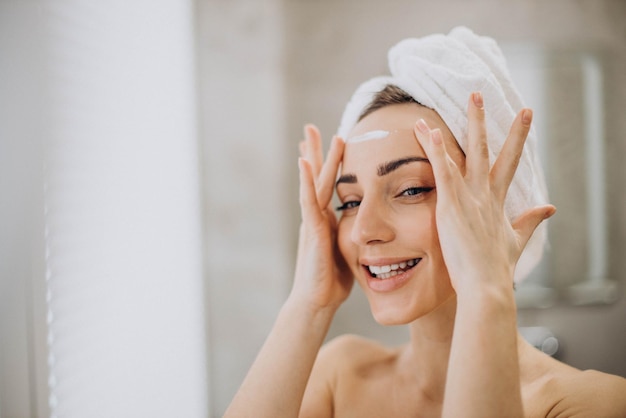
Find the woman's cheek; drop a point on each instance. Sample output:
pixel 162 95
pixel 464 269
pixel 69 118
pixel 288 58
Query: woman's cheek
pixel 419 225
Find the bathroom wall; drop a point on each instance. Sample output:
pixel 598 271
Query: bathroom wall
pixel 268 67
pixel 23 371
pixel 246 180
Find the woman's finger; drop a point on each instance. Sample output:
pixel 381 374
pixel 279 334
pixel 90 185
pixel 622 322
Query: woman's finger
pixel 308 197
pixel 477 160
pixel 434 147
pixel 314 154
pixel 505 165
pixel 302 148
pixel 526 223
pixel 328 174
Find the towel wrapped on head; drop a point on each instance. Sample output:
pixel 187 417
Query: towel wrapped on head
pixel 440 72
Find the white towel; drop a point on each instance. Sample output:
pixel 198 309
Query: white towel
pixel 440 72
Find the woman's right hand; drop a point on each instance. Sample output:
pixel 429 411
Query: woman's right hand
pixel 322 278
pixel 276 382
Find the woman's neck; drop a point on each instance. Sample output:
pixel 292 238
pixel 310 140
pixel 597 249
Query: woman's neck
pixel 424 361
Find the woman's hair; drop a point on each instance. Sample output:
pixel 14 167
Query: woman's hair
pixel 390 95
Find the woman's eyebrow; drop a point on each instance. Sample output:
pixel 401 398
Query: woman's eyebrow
pixel 346 178
pixel 388 167
pixel 383 169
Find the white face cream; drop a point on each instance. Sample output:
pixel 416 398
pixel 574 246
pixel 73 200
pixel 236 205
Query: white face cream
pixel 368 136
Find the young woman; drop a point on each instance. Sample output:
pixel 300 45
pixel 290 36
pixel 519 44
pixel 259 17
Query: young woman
pixel 426 229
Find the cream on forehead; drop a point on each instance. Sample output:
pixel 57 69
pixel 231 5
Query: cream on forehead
pixel 368 136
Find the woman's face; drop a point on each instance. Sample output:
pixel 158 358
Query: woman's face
pixel 387 231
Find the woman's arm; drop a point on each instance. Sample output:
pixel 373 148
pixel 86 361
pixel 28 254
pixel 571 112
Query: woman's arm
pixel 480 248
pixel 483 371
pixel 275 384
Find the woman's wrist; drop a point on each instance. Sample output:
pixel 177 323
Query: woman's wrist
pixel 494 289
pixel 488 275
pixel 308 311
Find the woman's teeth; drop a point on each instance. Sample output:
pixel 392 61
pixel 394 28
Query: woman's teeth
pixel 385 272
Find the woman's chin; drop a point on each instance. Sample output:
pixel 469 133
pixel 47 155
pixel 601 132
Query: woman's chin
pixel 390 320
pixel 394 315
pixel 395 312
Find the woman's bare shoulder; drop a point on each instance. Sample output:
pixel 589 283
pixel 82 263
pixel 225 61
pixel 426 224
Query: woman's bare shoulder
pixel 584 393
pixel 350 351
pixel 351 342
pixel 341 358
pixel 591 392
pixel 350 356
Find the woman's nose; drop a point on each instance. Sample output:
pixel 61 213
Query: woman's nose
pixel 371 225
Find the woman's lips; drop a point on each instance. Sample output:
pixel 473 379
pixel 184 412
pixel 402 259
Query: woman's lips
pixel 389 277
pixel 386 271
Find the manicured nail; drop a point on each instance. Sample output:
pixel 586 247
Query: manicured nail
pixel 551 211
pixel 422 126
pixel 337 138
pixel 309 130
pixel 436 137
pixel 527 116
pixel 477 97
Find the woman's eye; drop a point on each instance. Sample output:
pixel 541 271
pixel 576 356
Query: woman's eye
pixel 348 205
pixel 415 191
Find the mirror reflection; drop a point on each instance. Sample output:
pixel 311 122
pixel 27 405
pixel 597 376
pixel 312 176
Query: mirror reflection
pixel 568 87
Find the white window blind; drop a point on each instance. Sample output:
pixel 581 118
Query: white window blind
pixel 126 330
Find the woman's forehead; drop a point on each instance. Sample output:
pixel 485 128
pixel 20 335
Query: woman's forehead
pixel 378 134
pixel 366 154
pixel 388 133
pixel 396 117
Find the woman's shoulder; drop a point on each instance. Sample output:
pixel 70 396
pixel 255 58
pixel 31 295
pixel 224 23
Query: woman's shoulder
pixel 350 350
pixel 349 357
pixel 569 392
pixel 591 392
pixel 352 341
pixel 344 359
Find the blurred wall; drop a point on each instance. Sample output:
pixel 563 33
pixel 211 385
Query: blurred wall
pixel 97 107
pixel 269 67
pixel 246 181
pixel 23 369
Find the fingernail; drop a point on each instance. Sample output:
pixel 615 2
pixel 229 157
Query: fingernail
pixel 478 99
pixel 309 130
pixel 436 137
pixel 551 211
pixel 527 116
pixel 338 138
pixel 422 126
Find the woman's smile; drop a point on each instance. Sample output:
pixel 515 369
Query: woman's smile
pixel 390 270
pixel 389 277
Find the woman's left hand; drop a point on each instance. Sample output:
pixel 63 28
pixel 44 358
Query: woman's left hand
pixel 479 244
